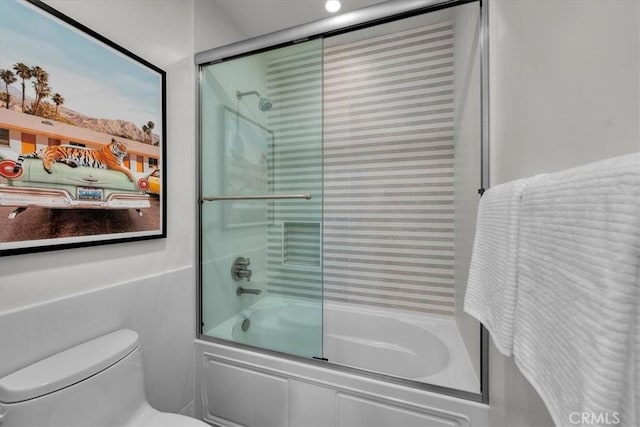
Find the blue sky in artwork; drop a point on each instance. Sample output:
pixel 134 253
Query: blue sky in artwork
pixel 94 79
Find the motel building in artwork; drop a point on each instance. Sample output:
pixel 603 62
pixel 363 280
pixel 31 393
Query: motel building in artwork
pixel 23 133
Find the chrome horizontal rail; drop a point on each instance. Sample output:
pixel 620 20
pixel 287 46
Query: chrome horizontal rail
pixel 312 29
pixel 257 197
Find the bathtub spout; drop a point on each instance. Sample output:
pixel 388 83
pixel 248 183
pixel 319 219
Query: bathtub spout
pixel 242 290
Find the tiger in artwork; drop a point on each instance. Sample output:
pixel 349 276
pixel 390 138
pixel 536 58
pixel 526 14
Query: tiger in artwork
pixel 108 157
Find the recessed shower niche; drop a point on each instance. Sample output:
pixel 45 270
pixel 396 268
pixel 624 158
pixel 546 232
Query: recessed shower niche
pixel 301 244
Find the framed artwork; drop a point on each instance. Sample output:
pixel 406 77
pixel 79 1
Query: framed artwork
pixel 82 135
pixel 246 157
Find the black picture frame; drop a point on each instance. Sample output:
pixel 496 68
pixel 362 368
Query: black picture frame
pixel 71 205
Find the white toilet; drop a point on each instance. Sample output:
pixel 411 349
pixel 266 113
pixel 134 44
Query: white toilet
pixel 98 383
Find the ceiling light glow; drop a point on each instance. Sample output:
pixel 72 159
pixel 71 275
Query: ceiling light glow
pixel 332 6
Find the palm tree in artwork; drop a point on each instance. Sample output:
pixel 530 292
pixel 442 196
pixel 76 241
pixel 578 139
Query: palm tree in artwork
pixel 147 129
pixel 40 86
pixel 58 100
pixel 7 77
pixel 24 72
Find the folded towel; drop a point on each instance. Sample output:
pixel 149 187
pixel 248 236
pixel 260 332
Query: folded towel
pixel 490 296
pixel 576 332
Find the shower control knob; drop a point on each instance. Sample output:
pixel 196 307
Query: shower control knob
pixel 242 262
pixel 240 270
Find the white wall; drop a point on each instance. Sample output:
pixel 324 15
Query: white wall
pixel 564 91
pixel 51 301
pixel 159 308
pixel 564 84
pixel 211 27
pixel 166 40
pixel 173 32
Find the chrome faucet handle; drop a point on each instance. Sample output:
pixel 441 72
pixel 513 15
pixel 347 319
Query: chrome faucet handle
pixel 244 274
pixel 242 262
pixel 240 270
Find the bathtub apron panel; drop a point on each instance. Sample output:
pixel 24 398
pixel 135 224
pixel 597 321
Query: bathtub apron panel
pixel 245 388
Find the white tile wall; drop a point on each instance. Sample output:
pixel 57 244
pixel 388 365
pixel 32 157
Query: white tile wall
pixel 294 84
pixel 388 153
pixel 67 322
pixel 160 308
pixel 386 167
pixel 15 341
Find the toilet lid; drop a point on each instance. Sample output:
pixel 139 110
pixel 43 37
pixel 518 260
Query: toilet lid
pixel 68 367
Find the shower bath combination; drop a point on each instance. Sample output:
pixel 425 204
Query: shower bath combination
pixel 264 104
pixel 353 198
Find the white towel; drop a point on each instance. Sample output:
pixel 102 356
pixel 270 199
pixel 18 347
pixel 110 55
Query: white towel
pixel 490 296
pixel 576 333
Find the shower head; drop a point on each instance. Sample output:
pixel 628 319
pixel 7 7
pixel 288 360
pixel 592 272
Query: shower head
pixel 264 104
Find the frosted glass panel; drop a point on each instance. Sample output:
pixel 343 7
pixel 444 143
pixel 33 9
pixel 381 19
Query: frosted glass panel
pixel 261 133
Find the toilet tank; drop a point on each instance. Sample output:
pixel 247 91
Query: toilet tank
pixel 97 383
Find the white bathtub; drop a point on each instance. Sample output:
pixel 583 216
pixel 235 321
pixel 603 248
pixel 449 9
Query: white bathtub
pixel 422 348
pixel 242 387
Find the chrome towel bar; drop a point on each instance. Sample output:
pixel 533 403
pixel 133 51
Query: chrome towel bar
pixel 257 197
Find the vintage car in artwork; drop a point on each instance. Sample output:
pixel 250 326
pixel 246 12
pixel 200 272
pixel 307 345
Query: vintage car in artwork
pixel 68 188
pixel 154 183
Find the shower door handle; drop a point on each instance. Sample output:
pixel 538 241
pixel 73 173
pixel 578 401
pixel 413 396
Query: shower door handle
pixel 257 197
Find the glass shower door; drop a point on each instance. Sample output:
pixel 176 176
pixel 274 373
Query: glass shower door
pixel 261 199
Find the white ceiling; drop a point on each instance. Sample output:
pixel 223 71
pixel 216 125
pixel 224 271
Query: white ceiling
pixel 257 17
